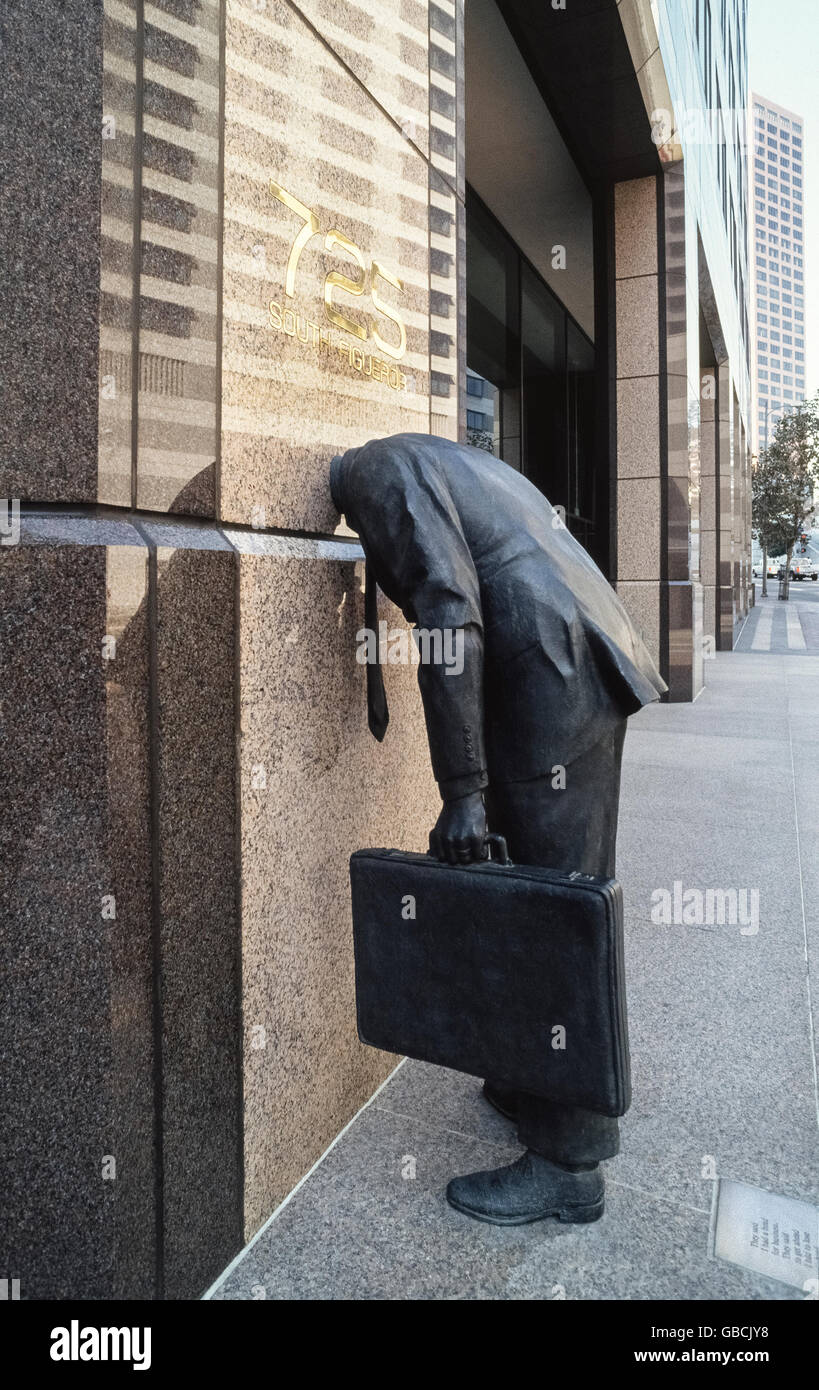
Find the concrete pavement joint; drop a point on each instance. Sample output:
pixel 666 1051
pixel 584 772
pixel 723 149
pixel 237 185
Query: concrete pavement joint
pixel 659 1196
pixel 444 1129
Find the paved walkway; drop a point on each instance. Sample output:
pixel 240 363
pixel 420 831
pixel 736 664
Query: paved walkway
pixel 783 627
pixel 723 793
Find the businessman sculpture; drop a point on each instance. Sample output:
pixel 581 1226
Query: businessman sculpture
pixel 528 736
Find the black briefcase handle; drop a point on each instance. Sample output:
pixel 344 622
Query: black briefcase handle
pixel 501 852
pixel 499 844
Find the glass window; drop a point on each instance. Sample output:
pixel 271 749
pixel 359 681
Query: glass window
pixel 543 357
pixel 534 369
pixel 493 334
pixel 583 506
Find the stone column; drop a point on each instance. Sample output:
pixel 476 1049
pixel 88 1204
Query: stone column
pixel 737 511
pixel 190 766
pixel 80 1061
pixel 744 530
pixel 725 526
pixel 708 502
pixel 639 461
pixel 657 425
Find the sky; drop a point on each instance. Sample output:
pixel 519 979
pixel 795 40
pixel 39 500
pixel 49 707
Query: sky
pixel 783 57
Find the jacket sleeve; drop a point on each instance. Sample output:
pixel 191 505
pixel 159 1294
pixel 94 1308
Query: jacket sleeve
pixel 412 537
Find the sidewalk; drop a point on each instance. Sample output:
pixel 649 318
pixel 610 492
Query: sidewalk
pixel 723 793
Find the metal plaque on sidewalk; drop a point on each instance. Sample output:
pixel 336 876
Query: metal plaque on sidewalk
pixel 770 1235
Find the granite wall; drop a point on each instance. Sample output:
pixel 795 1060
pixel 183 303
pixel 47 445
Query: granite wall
pixel 189 764
pixel 683 530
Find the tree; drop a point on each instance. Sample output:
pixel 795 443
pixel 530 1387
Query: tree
pixel 783 482
pixel 770 485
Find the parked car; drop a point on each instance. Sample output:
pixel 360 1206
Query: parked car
pixel 802 568
pixel 756 567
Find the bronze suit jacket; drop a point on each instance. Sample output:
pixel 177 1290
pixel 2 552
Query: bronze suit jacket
pixel 457 539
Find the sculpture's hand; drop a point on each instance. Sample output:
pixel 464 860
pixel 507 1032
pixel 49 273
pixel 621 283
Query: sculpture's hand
pixel 459 831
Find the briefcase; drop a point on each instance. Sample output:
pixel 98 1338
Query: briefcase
pixel 504 971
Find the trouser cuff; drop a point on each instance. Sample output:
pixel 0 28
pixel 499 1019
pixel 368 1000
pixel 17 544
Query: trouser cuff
pixel 566 1134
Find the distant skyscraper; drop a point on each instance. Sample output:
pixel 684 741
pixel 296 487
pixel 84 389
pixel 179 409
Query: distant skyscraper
pixel 778 264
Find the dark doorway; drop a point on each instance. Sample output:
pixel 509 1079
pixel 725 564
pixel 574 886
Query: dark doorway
pixel 530 386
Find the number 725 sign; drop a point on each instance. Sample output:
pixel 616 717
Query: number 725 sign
pixel 367 279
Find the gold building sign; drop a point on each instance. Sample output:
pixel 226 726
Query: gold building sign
pixel 368 280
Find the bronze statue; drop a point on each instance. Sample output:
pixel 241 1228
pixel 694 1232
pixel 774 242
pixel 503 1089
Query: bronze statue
pixel 529 734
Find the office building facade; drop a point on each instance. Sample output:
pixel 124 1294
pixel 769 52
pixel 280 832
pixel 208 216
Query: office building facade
pixel 777 216
pixel 246 236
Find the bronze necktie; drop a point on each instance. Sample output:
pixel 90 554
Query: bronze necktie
pixel 378 715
